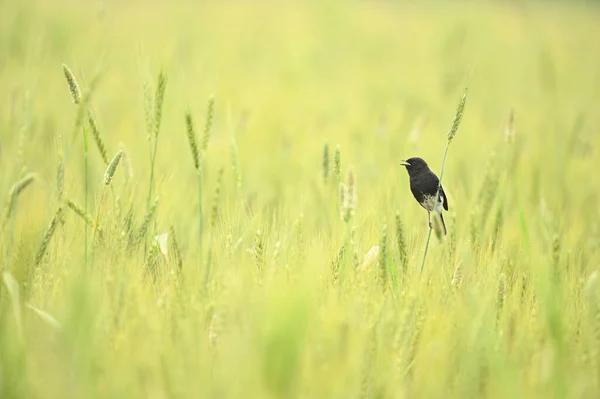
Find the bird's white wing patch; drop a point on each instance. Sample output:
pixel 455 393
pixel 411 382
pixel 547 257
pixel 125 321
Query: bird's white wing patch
pixel 440 205
pixel 428 203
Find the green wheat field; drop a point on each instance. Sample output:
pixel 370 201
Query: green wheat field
pixel 205 199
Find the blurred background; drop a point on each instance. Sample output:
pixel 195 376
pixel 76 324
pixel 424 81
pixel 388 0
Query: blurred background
pixel 379 78
pixel 294 74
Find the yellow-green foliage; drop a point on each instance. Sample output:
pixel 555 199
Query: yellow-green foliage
pixel 278 293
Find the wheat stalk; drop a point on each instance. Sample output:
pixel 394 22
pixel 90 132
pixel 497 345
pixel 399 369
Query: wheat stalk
pixel 213 222
pixel 336 262
pixel 72 84
pixel 20 166
pixel 191 135
pixel 82 108
pixel 500 296
pixel 175 248
pixel 342 199
pixel 235 158
pixel 148 111
pixel 401 242
pixel 337 164
pixel 112 168
pixel 159 96
pixel 198 159
pixel 14 193
pixel 210 114
pixel 457 277
pixel 325 162
pixel 453 129
pixel 383 257
pixel 56 219
pixel 216 199
pixel 350 196
pixel 80 212
pixel 98 138
pixel 141 234
pixel 556 250
pixel 259 251
pixel 299 235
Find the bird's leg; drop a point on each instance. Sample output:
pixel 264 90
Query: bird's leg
pixel 429 219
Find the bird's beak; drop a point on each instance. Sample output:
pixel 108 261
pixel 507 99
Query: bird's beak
pixel 404 163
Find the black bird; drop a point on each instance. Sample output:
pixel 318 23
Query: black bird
pixel 424 184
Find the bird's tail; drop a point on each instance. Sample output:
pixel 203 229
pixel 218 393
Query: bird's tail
pixel 443 224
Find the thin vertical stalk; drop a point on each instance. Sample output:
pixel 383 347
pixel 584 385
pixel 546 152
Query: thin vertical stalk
pixel 200 183
pixel 97 220
pixel 11 236
pixel 453 129
pixel 343 260
pixel 152 160
pixel 208 260
pixel 437 198
pixel 85 204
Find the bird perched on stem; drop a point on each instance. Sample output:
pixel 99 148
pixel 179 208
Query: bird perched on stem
pixel 424 186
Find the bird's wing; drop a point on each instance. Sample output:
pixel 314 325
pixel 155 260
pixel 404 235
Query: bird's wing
pixel 443 195
pixel 431 187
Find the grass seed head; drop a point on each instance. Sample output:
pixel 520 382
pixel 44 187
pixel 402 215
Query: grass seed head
pixel 501 294
pixel 15 191
pixel 98 138
pixel 210 114
pixel 342 199
pixel 191 135
pixel 335 263
pixel 22 184
pixel 498 225
pixel 72 84
pixel 325 163
pixel 141 234
pixel 383 266
pixel 82 107
pixel 337 163
pixel 112 167
pixel 457 117
pixel 452 239
pixel 259 250
pixel 457 277
pixel 80 212
pixel 235 163
pixel 60 179
pixel 216 200
pixel 48 235
pixel 159 97
pixel 350 195
pixel 556 248
pixel 401 242
pixel 174 248
pixel 148 110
